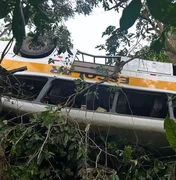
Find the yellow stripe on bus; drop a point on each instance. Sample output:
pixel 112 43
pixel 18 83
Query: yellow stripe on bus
pixel 54 70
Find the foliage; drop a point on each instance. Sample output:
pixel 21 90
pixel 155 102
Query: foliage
pixel 133 162
pixel 117 42
pixel 50 147
pixel 130 14
pixel 170 127
pixel 154 22
pixel 44 148
pixel 147 53
pixel 164 11
pixel 42 17
pixel 47 147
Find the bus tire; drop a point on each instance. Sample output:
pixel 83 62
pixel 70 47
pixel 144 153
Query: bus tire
pixel 45 47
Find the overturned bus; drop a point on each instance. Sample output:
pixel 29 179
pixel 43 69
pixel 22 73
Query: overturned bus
pixel 135 102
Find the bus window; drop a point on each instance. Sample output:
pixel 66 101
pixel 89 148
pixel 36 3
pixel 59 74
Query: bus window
pixel 99 98
pixel 59 92
pixel 174 105
pixel 63 92
pixel 23 87
pixel 142 103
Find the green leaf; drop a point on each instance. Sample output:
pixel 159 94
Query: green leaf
pixel 80 153
pixel 4 9
pixel 163 10
pixel 35 2
pixel 127 154
pixel 18 24
pixel 114 176
pixel 174 104
pixel 26 11
pixel 40 159
pixel 158 44
pixel 41 19
pixel 42 173
pixel 130 14
pixel 170 127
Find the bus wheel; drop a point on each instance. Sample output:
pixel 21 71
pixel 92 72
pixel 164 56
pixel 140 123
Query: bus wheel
pixel 37 48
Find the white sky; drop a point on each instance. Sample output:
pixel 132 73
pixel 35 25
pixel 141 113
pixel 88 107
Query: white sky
pixel 86 31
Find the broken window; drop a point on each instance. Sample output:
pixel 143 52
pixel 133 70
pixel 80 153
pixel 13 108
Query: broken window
pixel 60 92
pixel 63 92
pixel 99 98
pixel 23 87
pixel 142 103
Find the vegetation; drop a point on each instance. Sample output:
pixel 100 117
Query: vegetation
pixel 42 18
pixel 154 22
pixel 50 147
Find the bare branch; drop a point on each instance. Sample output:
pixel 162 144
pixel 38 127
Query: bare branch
pixel 47 136
pixel 24 68
pixel 142 16
pixel 3 32
pixel 8 27
pixel 5 51
pixel 117 5
pixel 159 25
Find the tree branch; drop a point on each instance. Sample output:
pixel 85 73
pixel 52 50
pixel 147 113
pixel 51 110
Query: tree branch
pixel 159 25
pixel 151 23
pixel 4 71
pixel 170 48
pixel 24 68
pixel 5 51
pixel 8 27
pixel 117 5
pixel 47 136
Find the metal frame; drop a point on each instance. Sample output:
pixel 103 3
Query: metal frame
pixel 98 57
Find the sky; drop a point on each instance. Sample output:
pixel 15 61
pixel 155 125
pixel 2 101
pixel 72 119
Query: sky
pixel 86 31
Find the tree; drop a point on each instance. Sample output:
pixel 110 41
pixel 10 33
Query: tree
pixel 42 17
pixel 155 22
pixel 33 146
